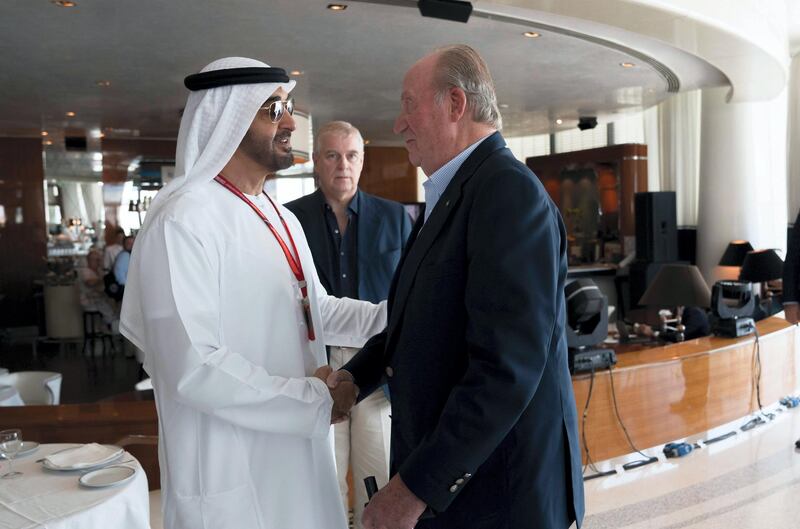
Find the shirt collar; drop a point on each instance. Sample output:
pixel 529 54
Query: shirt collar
pixel 440 179
pixel 442 176
pixel 354 205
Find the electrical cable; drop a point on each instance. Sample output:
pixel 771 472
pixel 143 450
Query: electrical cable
pixel 756 381
pixel 589 463
pixel 757 369
pixel 633 464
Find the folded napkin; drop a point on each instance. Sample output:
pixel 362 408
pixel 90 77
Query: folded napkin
pixel 83 456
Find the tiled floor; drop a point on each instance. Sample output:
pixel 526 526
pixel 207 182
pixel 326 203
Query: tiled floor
pixel 84 379
pixel 751 480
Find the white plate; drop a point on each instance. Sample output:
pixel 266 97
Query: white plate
pixel 26 448
pixel 117 455
pixel 107 477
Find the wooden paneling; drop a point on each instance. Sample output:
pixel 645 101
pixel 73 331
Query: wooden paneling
pixel 387 173
pixel 669 392
pixel 23 246
pixel 118 155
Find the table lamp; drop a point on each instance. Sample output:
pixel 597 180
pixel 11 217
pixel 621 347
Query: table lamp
pixel 677 286
pixel 760 266
pixel 735 253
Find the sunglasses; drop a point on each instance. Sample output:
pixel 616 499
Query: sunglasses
pixel 277 108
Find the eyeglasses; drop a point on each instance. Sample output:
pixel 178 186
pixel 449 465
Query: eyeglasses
pixel 277 108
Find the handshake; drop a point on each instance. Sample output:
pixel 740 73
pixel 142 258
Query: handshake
pixel 343 391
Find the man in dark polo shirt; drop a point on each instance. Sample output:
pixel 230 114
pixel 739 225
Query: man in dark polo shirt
pixel 356 240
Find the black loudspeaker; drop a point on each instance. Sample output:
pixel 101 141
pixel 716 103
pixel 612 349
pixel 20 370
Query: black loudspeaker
pixel 455 10
pixel 656 226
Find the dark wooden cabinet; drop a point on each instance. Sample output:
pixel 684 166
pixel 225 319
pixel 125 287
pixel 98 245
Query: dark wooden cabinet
pixel 594 190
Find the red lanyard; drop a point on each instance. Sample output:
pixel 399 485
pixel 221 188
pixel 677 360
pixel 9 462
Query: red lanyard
pixel 294 262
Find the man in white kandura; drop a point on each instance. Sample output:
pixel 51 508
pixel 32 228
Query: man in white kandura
pixel 233 325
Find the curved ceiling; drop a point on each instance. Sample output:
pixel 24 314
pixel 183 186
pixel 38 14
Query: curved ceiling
pixel 352 62
pixel 746 39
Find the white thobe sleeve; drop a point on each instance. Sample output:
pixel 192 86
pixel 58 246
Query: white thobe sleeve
pixel 179 283
pixel 348 322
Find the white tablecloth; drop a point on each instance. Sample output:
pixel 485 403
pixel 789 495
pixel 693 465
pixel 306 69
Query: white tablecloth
pixel 43 499
pixel 9 396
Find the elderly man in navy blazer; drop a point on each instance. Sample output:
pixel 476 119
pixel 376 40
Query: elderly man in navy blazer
pixel 356 240
pixel 484 423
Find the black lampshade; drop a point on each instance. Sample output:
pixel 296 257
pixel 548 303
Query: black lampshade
pixel 735 253
pixel 761 265
pixel 677 285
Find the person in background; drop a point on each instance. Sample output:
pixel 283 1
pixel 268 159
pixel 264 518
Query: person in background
pixel 123 260
pixel 120 272
pixel 92 288
pixel 113 249
pixel 356 240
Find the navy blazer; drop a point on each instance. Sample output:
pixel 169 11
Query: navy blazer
pixel 791 267
pixel 383 228
pixel 484 423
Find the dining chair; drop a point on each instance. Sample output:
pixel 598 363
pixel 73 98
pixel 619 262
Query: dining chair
pixel 35 387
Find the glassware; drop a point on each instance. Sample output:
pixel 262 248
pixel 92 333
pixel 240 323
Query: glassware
pixel 10 444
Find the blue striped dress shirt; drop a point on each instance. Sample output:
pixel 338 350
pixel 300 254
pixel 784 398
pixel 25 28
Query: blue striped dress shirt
pixel 438 181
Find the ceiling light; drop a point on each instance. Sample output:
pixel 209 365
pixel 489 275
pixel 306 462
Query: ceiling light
pixel 44 133
pixel 64 3
pixel 503 105
pixel 103 84
pixel 531 35
pixel 366 142
pixel 70 114
pixel 559 121
pixel 627 64
pixel 337 7
pixel 296 72
pixel 47 142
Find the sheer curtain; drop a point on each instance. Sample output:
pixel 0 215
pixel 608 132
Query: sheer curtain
pixel 678 152
pixel 72 201
pixel 793 141
pixel 82 200
pixel 93 201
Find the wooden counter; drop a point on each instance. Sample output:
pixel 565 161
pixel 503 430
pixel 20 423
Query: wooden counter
pixel 663 393
pixel 668 392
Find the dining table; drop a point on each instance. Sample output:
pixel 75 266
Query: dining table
pixel 42 498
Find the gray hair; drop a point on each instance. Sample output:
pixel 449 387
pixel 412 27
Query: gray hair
pixel 341 128
pixel 460 66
